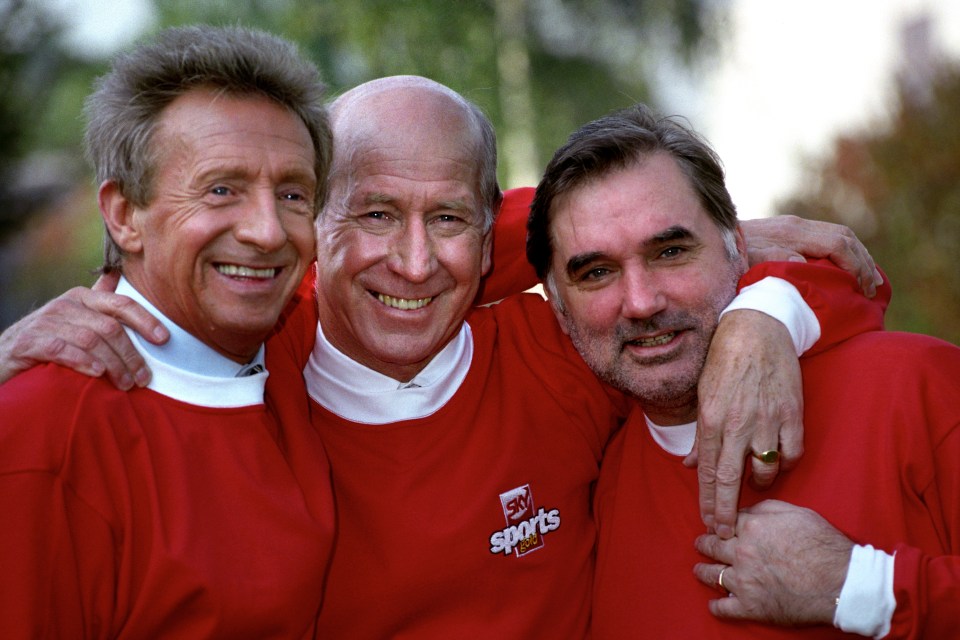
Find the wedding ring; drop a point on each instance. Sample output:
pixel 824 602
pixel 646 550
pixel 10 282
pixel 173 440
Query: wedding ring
pixel 720 579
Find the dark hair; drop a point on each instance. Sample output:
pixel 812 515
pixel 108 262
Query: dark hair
pixel 126 105
pixel 614 142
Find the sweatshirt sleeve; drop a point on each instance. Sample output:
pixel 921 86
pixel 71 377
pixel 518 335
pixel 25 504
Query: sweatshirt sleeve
pixel 927 586
pixel 833 295
pixel 511 273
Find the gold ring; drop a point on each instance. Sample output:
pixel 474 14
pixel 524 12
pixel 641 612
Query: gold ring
pixel 720 579
pixel 771 456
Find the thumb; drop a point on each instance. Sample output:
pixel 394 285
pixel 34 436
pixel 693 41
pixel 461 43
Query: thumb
pixel 107 281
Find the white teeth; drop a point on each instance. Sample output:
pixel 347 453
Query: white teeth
pixel 403 303
pixel 654 342
pixel 245 272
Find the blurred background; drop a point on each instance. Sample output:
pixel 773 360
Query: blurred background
pixel 840 110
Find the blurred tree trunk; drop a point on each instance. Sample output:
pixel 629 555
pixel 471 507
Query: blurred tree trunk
pixel 517 133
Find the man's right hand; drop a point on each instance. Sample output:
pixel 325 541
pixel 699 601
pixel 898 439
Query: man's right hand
pixel 82 330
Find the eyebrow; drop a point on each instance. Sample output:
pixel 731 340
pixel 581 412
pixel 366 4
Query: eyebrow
pixel 379 197
pixel 581 260
pixel 240 170
pixel 671 234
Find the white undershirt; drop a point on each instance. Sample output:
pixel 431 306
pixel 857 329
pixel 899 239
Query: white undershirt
pixel 360 394
pixel 186 369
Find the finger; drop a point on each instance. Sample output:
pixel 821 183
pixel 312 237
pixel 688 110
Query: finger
pixel 107 282
pixel 763 474
pixel 791 442
pixel 709 574
pixel 868 268
pixel 773 253
pixel 728 481
pixel 69 356
pixel 730 607
pixel 110 344
pixel 707 445
pixel 716 548
pixel 850 254
pixel 127 312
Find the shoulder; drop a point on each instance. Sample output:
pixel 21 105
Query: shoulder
pixel 518 312
pixel 293 336
pixel 40 409
pixel 907 350
pixel 50 384
pixel 887 372
pixel 523 322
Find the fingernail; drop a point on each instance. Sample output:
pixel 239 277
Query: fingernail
pixel 725 531
pixel 160 334
pixel 877 277
pixel 142 377
pixel 125 383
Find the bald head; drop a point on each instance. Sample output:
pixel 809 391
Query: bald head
pixel 414 117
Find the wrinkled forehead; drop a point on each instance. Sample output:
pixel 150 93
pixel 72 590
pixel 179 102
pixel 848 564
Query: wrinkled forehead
pixel 625 210
pixel 407 122
pixel 421 138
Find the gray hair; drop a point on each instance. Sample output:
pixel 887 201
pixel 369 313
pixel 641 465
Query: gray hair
pixel 487 156
pixel 614 142
pixel 124 110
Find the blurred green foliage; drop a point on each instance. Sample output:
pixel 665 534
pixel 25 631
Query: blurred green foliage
pixel 538 68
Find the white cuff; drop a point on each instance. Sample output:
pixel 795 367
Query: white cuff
pixel 867 602
pixel 781 301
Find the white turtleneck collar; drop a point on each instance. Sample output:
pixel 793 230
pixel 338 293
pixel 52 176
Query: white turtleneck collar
pixel 188 370
pixel 360 394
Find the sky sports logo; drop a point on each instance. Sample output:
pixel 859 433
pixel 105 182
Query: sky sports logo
pixel 525 528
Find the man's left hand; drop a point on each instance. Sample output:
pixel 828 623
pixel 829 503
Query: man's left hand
pixel 793 238
pixel 786 565
pixel 750 402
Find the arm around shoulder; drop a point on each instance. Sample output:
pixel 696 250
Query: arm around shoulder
pixel 83 330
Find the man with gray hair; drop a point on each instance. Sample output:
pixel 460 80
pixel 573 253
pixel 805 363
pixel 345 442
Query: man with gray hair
pixel 638 240
pixel 199 506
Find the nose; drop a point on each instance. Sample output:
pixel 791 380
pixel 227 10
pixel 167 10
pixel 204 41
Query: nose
pixel 260 224
pixel 414 255
pixel 643 297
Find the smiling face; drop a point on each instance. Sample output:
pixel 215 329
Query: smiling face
pixel 640 274
pixel 400 245
pixel 228 234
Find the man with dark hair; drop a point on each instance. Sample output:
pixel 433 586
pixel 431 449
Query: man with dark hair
pixel 638 241
pixel 199 506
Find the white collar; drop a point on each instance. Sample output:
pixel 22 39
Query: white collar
pixel 188 370
pixel 360 394
pixel 675 439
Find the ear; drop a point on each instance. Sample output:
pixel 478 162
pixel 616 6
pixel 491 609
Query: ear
pixel 550 290
pixel 118 217
pixel 487 248
pixel 487 257
pixel 742 248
